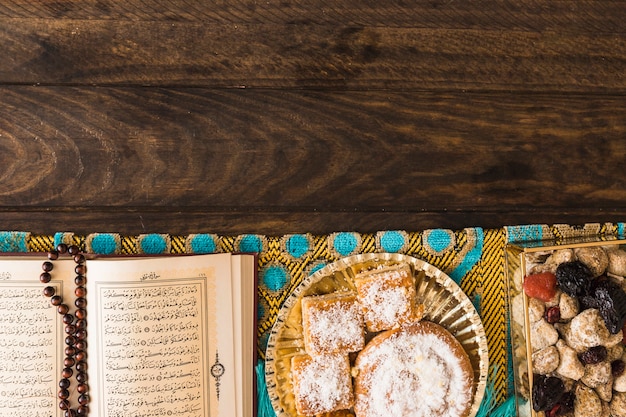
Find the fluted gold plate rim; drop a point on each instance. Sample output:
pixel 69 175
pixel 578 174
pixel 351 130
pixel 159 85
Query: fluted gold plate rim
pixel 444 301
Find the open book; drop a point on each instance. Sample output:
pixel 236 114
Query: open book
pixel 166 336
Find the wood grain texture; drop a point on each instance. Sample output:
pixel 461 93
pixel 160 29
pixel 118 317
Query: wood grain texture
pixel 309 152
pixel 182 221
pixel 158 53
pixel 313 116
pixel 583 16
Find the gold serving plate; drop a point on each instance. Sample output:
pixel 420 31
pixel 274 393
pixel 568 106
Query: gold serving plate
pixel 444 301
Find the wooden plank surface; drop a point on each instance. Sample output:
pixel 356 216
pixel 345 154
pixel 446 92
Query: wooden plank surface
pixel 279 117
pixel 332 57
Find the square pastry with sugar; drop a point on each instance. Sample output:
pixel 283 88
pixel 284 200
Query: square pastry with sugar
pixel 332 323
pixel 388 297
pixel 321 384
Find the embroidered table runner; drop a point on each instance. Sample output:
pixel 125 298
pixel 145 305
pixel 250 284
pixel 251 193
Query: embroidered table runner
pixel 473 257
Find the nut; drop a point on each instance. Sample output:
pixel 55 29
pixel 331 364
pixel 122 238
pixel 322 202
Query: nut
pixel 542 335
pixel 546 360
pixel 587 402
pixel 569 307
pixel 569 366
pixel 618 405
pixel 597 374
pixel 617 262
pixel 594 257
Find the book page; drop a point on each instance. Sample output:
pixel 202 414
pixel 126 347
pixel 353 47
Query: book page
pixel 31 337
pixel 244 311
pixel 161 336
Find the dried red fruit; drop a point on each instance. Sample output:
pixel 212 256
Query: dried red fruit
pixel 541 286
pixel 554 411
pixel 593 355
pixel 553 314
pixel 617 367
pixel 546 392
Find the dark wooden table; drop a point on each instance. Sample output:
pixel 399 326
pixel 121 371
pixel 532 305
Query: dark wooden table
pixel 310 115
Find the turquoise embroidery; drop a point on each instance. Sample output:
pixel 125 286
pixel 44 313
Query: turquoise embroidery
pixel 392 241
pixel 153 244
pixel 13 242
pixel 620 229
pixel 439 240
pixel 251 244
pixel 104 243
pixel 527 233
pixel 345 243
pixel 275 278
pixel 63 237
pixel 472 256
pixel 297 245
pixel 203 243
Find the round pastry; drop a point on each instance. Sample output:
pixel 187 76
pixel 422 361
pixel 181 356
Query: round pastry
pixel 419 370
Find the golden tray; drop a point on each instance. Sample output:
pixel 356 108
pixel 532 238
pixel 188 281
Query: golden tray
pixel 444 302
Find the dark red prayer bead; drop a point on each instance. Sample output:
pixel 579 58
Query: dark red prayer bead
pixel 80 280
pixel 80 302
pixel 75 333
pixel 45 277
pixel 80 291
pixel 81 366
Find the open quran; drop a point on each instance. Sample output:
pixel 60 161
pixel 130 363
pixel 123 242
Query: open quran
pixel 166 336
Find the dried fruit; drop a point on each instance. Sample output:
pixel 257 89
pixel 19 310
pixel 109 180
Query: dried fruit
pixel 553 314
pixel 610 299
pixel 541 286
pixel 547 392
pixel 573 278
pixel 554 411
pixel 617 367
pixel 593 355
pixel 567 403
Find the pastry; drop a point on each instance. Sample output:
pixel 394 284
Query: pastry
pixel 321 384
pixel 332 323
pixel 388 297
pixel 418 370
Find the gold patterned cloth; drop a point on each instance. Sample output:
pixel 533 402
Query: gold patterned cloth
pixel 473 257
